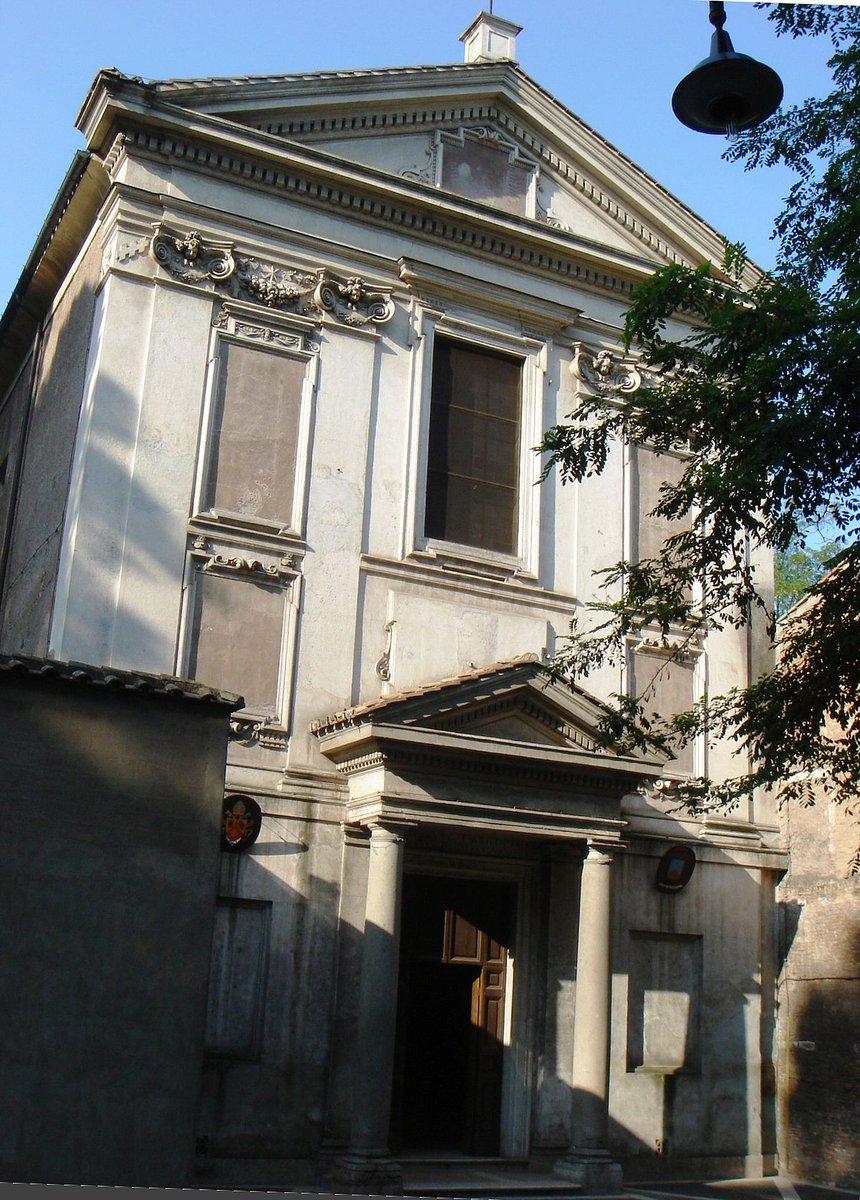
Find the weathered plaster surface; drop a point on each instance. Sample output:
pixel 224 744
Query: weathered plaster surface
pixel 33 561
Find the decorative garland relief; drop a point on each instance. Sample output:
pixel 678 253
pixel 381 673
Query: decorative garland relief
pixel 605 373
pixel 352 301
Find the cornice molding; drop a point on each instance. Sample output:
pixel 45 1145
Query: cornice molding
pixel 488 818
pixel 215 145
pixel 64 233
pixel 374 98
pixel 370 746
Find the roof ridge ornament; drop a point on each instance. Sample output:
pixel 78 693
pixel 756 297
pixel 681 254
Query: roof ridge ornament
pixel 490 39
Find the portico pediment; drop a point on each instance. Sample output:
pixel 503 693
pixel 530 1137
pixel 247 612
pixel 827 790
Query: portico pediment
pixel 504 747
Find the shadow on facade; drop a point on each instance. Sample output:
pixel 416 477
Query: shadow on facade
pixel 29 564
pixel 690 1090
pixel 820 1063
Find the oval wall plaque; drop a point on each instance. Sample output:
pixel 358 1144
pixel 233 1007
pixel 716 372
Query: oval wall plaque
pixel 240 822
pixel 675 868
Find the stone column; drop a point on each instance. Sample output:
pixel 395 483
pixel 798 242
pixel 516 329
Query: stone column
pixel 367 1163
pixel 588 1161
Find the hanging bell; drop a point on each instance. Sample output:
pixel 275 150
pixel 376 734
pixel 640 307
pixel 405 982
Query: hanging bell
pixel 727 92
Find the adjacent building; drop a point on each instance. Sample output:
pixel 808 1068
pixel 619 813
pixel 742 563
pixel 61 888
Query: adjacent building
pixel 271 382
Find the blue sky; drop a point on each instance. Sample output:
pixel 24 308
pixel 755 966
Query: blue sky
pixel 613 62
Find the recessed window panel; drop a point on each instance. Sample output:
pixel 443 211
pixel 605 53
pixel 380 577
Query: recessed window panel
pixel 482 170
pixel 236 637
pixel 252 464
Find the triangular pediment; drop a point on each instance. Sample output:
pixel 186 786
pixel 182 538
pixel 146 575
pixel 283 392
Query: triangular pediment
pixel 512 702
pixel 485 132
pixel 521 747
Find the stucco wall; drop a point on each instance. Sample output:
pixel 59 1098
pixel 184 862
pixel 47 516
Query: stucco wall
pixel 44 485
pixel 693 997
pixel 819 997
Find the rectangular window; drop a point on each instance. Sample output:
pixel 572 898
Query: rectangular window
pixel 474 448
pixel 252 463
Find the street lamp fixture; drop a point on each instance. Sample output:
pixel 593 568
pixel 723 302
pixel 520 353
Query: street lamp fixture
pixel 727 92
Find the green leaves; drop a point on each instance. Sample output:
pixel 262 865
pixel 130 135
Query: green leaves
pixel 756 378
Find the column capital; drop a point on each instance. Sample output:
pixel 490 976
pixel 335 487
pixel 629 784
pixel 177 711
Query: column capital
pixel 388 829
pixel 601 853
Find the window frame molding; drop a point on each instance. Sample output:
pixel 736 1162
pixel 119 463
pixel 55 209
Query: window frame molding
pixel 486 134
pixel 249 548
pixel 238 323
pixel 532 353
pixel 210 556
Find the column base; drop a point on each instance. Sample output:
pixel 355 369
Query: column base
pixel 370 1174
pixel 593 1170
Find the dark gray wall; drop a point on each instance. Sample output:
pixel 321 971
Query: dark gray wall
pixel 110 806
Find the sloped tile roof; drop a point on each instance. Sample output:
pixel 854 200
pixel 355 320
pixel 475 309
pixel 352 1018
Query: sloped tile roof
pixel 117 680
pixel 167 85
pixel 495 672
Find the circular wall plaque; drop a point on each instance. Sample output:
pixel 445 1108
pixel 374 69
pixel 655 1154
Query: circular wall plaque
pixel 675 868
pixel 240 822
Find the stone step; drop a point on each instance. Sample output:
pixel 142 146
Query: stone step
pixel 482 1179
pixel 529 1189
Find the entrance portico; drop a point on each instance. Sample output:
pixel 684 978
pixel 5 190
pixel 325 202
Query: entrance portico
pixel 507 756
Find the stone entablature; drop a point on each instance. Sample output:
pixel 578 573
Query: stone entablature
pixel 503 731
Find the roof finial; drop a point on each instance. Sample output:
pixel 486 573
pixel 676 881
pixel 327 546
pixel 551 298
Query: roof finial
pixel 491 39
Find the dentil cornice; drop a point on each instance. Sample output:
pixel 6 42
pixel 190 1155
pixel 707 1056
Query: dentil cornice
pixel 367 100
pixel 213 145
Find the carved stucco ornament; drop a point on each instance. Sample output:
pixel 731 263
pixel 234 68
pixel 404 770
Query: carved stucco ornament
pixel 383 663
pixel 188 258
pixel 251 568
pixel 276 287
pixel 604 373
pixel 352 301
pixel 265 731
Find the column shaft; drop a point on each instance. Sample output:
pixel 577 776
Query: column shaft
pixel 588 1161
pixel 593 984
pixel 377 1000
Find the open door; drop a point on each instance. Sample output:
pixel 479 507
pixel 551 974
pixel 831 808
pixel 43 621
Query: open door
pixel 450 1048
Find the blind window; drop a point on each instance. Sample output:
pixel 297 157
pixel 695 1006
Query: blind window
pixel 236 637
pixel 252 467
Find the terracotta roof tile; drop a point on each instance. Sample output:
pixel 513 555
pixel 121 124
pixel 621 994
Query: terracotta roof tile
pixel 118 680
pixel 350 716
pixel 358 73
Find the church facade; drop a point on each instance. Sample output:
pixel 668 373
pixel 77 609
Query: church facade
pixel 272 382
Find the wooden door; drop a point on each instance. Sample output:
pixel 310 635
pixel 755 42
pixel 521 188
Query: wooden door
pixel 466 944
pixel 447 1094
